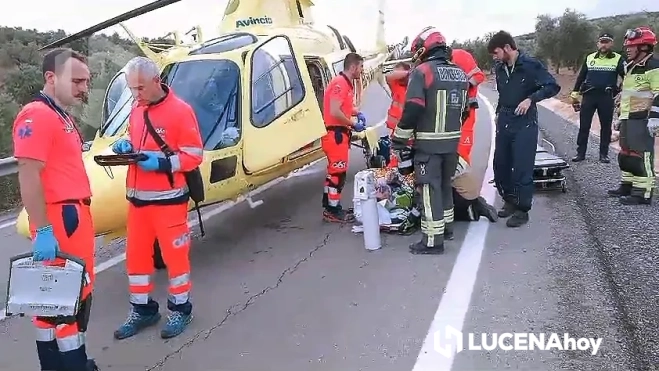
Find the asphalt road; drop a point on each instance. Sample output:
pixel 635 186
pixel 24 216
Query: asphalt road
pixel 278 289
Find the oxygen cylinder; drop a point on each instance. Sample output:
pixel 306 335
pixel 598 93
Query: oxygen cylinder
pixel 365 194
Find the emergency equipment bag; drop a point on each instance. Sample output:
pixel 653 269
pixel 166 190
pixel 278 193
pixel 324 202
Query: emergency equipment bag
pixel 193 178
pixel 45 289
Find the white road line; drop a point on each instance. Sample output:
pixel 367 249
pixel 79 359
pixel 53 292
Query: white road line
pixel 455 301
pixel 8 224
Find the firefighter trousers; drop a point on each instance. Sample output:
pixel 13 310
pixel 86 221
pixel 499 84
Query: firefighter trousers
pixel 168 224
pixel 433 175
pixel 603 103
pixel 61 341
pixel 514 157
pixel 636 157
pixel 336 145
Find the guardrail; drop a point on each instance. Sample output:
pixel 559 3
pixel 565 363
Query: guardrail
pixel 8 166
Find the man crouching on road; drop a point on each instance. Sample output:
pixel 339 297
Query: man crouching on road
pixel 158 193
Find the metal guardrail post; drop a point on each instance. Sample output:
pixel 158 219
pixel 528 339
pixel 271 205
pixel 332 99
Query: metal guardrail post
pixel 8 166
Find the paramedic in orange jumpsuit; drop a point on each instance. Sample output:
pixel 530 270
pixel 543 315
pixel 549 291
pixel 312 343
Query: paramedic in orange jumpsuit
pixel 338 110
pixel 397 81
pixel 467 63
pixel 158 199
pixel 56 193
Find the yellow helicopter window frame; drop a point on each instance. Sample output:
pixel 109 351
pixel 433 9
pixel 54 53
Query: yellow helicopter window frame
pixel 287 94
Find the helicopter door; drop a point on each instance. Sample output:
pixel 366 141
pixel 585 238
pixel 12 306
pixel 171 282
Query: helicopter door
pixel 282 108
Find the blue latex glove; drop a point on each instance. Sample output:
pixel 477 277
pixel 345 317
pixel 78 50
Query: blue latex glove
pixel 122 147
pixel 361 118
pixel 151 163
pixel 44 246
pixel 359 126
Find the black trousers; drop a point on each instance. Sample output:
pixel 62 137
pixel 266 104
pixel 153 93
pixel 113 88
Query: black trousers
pixel 602 102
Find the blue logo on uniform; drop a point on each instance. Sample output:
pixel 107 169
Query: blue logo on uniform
pixel 25 132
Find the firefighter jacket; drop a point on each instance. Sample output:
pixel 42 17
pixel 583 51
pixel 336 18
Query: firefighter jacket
pixel 175 122
pixel 436 97
pixel 639 98
pixel 398 90
pixel 466 61
pixel 600 71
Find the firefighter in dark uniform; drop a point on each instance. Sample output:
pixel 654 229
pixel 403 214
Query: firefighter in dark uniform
pixel 639 118
pixel 432 115
pixel 595 90
pixel 522 82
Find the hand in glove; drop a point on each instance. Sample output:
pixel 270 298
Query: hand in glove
pixel 361 118
pixel 150 163
pixel 653 126
pixel 122 147
pixel 359 126
pixel 44 245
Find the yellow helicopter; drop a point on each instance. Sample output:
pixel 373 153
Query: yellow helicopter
pixel 257 91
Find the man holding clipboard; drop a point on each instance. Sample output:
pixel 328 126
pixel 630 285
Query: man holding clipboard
pixel 164 131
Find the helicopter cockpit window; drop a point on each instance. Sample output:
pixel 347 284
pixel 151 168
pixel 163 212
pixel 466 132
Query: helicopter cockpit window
pixel 115 90
pixel 118 104
pixel 338 67
pixel 212 88
pixel 276 81
pixel 226 43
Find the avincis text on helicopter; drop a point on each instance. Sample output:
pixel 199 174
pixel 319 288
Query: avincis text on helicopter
pixel 251 21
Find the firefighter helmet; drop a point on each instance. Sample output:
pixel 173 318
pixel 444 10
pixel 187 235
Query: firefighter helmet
pixel 429 39
pixel 640 36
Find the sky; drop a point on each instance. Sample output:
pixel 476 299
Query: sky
pixel 458 20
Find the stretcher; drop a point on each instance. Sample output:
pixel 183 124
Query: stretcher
pixel 45 289
pixel 548 171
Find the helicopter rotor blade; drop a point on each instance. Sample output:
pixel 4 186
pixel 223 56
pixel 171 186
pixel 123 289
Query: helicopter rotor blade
pixel 111 22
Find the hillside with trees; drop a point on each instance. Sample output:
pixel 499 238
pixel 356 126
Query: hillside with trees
pixel 561 42
pixel 21 79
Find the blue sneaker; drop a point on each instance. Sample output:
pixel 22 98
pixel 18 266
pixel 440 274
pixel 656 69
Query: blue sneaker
pixel 176 324
pixel 135 323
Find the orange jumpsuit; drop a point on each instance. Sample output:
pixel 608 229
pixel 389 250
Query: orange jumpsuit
pixel 44 132
pixel 159 199
pixel 398 91
pixel 467 63
pixel 336 143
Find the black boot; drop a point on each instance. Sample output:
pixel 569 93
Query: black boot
pixel 420 248
pixel 624 189
pixel 635 200
pixel 605 159
pixel 518 219
pixel 482 208
pixel 507 210
pixel 578 158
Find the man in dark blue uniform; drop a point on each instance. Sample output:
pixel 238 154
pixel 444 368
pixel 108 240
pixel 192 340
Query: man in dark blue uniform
pixel 594 90
pixel 522 82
